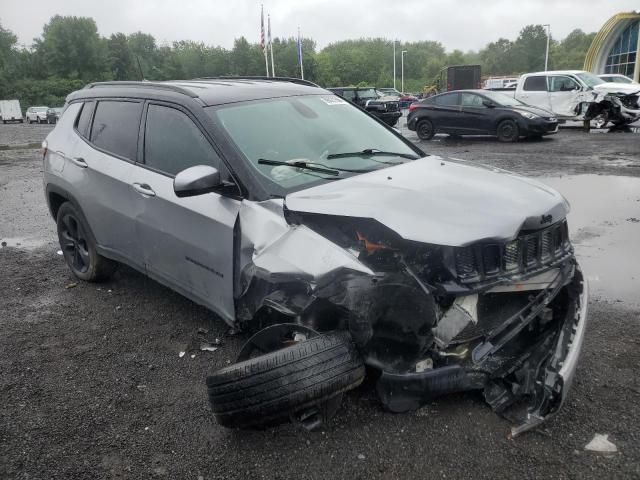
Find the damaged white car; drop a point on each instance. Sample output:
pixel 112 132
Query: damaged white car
pixel 297 216
pixel 580 95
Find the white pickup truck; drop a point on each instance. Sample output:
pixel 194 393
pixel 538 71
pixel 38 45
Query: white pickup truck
pixel 580 95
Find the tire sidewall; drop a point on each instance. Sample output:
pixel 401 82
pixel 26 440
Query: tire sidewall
pixel 512 129
pixel 424 123
pixel 68 208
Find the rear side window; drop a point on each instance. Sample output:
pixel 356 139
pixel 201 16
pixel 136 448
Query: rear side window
pixel 448 99
pixel 84 119
pixel 115 127
pixel 535 84
pixel 172 142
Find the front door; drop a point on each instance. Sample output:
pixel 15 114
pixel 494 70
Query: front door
pixel 564 95
pixel 188 242
pixel 476 116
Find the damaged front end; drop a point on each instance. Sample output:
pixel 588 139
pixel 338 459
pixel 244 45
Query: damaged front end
pixel 618 108
pixel 503 317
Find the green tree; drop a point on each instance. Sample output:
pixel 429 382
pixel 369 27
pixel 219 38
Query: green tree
pixel 72 48
pixel 120 59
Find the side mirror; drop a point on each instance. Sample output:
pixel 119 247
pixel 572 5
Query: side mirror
pixel 196 180
pixel 488 104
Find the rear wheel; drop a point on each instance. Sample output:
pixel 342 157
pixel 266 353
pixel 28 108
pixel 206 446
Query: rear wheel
pixel 508 131
pixel 425 129
pixel 302 382
pixel 79 247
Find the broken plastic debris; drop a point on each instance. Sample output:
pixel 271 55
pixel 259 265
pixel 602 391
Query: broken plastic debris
pixel 71 285
pixel 207 347
pixel 600 443
pixel 181 354
pixel 203 331
pixel 193 355
pixel 59 252
pixel 361 456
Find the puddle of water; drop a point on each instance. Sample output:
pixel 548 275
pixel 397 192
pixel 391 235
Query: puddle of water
pixel 605 231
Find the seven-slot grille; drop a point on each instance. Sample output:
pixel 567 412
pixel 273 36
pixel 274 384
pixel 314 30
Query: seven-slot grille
pixel 527 253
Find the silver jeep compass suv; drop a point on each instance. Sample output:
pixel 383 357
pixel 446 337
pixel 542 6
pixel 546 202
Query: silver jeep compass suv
pixel 295 215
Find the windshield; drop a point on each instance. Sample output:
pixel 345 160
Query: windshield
pixel 306 129
pixel 502 99
pixel 589 79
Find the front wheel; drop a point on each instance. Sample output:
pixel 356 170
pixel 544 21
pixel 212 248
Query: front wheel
pixel 79 247
pixel 425 129
pixel 508 131
pixel 286 383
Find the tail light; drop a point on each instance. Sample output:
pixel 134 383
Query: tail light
pixel 413 106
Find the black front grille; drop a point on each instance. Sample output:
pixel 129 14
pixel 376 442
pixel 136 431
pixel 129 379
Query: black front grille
pixel 529 252
pixel 392 106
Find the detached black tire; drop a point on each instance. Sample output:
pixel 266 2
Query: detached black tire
pixel 425 130
pixel 265 390
pixel 79 246
pixel 508 131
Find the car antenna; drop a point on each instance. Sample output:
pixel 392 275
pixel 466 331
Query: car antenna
pixel 140 68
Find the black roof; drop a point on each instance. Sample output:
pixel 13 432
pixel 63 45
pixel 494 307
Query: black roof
pixel 209 91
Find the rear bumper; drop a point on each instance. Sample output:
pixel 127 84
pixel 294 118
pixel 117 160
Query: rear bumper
pixel 401 392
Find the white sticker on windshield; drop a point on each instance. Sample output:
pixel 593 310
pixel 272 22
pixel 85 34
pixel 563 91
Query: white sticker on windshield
pixel 333 100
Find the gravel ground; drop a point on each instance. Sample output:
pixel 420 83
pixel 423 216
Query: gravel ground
pixel 92 386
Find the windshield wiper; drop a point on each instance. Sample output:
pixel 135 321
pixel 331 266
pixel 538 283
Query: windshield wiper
pixel 368 152
pixel 312 166
pixel 299 164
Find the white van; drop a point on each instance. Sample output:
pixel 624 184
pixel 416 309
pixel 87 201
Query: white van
pixel 10 111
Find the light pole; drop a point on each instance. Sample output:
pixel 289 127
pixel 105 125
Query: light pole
pixel 394 64
pixel 402 68
pixel 546 57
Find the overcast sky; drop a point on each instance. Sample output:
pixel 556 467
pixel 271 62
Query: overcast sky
pixel 462 24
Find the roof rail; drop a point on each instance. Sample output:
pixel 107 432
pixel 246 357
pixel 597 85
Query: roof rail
pixel 145 84
pixel 273 79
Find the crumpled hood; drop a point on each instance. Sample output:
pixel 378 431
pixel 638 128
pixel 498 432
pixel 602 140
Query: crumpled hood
pixel 623 88
pixel 439 201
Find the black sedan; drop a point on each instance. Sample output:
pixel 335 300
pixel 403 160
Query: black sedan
pixel 479 112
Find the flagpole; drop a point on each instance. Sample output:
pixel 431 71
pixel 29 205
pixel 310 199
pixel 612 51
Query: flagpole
pixel 273 69
pixel 300 55
pixel 262 43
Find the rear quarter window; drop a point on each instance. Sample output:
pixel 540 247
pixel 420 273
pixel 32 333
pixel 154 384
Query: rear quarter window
pixel 535 84
pixel 83 122
pixel 115 127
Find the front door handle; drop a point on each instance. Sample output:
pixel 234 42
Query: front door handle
pixel 79 162
pixel 144 189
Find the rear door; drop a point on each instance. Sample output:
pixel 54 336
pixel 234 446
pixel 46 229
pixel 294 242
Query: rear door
pixel 188 242
pixel 475 116
pixel 564 95
pixel 447 115
pixel 99 168
pixel 535 92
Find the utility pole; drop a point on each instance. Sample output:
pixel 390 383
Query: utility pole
pixel 546 57
pixel 402 68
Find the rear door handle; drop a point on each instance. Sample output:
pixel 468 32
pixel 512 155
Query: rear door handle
pixel 78 161
pixel 144 189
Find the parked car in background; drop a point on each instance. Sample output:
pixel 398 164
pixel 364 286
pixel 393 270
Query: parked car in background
pixel 37 114
pixel 53 115
pixel 616 78
pixel 386 109
pixel 404 99
pixel 580 95
pixel 390 91
pixel 10 111
pixel 336 240
pixel 499 82
pixel 479 112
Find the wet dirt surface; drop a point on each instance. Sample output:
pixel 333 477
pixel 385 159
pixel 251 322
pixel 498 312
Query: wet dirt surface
pixel 92 385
